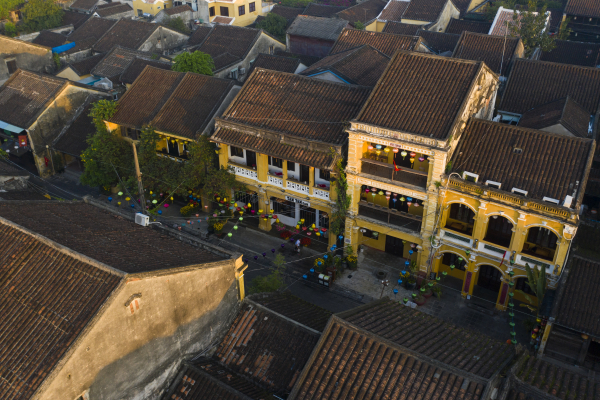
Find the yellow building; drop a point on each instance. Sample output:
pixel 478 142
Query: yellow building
pixel 152 7
pixel 399 146
pixel 512 199
pixel 237 12
pixel 282 136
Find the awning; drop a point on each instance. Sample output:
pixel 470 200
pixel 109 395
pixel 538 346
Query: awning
pixel 63 48
pixel 8 127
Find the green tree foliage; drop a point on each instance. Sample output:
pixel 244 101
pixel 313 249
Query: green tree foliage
pixel 8 5
pixel 295 3
pixel 221 182
pixel 343 202
pixel 274 24
pixel 359 25
pixel 272 282
pixel 532 29
pixel 564 30
pixel 536 280
pixel 56 59
pixel 10 29
pixel 198 62
pixel 177 24
pixel 41 14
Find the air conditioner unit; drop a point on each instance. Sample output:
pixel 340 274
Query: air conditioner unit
pixel 142 219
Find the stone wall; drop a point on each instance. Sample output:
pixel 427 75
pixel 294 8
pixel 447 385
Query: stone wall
pixel 27 56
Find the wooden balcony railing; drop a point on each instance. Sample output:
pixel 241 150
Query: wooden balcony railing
pixel 390 216
pixel 384 170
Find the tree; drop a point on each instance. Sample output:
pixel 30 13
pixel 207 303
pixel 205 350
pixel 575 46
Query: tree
pixel 198 62
pixel 272 282
pixel 564 30
pixel 221 182
pixel 6 6
pixel 531 27
pixel 359 25
pixel 343 202
pixel 536 280
pixel 177 24
pixel 10 29
pixel 274 24
pixel 41 14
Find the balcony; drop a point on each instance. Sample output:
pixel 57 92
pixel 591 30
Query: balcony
pixel 454 237
pixel 296 186
pixel 243 170
pixel 390 216
pixel 321 192
pixel 459 226
pixel 275 180
pixel 173 156
pixel 385 170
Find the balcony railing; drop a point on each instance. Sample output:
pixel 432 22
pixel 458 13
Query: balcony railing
pixel 390 216
pixel 297 187
pixel 321 193
pixel 172 157
pixel 242 170
pixel 384 170
pixel 275 181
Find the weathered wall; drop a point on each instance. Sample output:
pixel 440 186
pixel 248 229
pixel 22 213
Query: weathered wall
pixel 69 74
pixel 187 17
pixel 126 14
pixel 309 46
pixel 150 7
pixel 450 11
pixel 74 57
pixel 27 56
pixel 152 322
pixel 164 39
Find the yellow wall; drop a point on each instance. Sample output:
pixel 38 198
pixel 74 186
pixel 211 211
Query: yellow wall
pixel 240 20
pixel 372 27
pixel 153 8
pixel 69 74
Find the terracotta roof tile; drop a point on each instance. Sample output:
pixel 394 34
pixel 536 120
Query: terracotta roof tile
pixel 116 8
pixel 503 17
pixel 400 28
pixel 84 5
pixel 276 63
pixel 224 60
pixel 458 26
pixel 222 20
pixel 43 309
pixel 199 35
pixel 442 83
pixel 393 12
pixel 126 33
pixel 321 10
pixel 117 60
pixel 563 111
pixel 549 165
pixel 7 169
pixel 74 18
pixel 50 39
pixel 584 8
pixel 533 83
pixel 304 59
pixel 496 51
pixel 73 139
pixel 317 27
pixel 361 66
pixel 291 104
pixel 135 68
pixel 364 12
pixel 439 42
pixel 576 53
pixel 94 27
pixel 289 13
pixel 105 237
pixel 425 10
pixel 234 42
pixel 178 10
pixel 85 66
pixel 386 43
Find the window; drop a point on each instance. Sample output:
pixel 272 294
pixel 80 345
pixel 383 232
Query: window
pixel 324 175
pixel 304 173
pixel 132 133
pixel 523 284
pixel 461 213
pixel 271 49
pixel 225 11
pixel 370 234
pixel 542 237
pixel 470 177
pixel 12 66
pixel 140 13
pixel 291 166
pixel 241 10
pixel 211 11
pixel 452 259
pixel 284 208
pixel 519 192
pixel 276 162
pixel 237 152
pixel 493 184
pixel 250 158
pixel 252 7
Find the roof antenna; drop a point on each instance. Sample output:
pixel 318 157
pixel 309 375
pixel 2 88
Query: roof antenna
pixel 503 48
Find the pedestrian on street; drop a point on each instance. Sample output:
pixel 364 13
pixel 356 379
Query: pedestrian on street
pixel 297 245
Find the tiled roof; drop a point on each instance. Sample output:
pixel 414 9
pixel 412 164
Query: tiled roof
pixel 266 349
pixel 321 10
pixel 117 60
pixel 74 18
pixel 364 12
pixel 25 95
pixel 135 68
pixel 504 16
pixel 82 45
pixel 94 27
pixel 224 60
pixel 178 10
pixel 361 66
pixel 49 39
pixel 562 111
pixel 43 309
pixel 116 8
pixel 584 8
pixel 576 53
pixel 276 63
pixel 289 13
pixel 579 306
pixel 352 364
pixel 469 351
pixel 416 86
pixel 317 27
pixel 84 5
pixel 199 35
pixel 548 165
pixel 496 51
pixel 126 33
pixel 439 42
pixel 105 237
pixel 85 66
pixel 294 308
pixel 73 140
pixel 278 102
pixel 386 43
pixel 459 26
pixel 304 59
pixel 23 194
pixel 222 20
pixel 400 28
pixel 462 5
pixel 425 10
pixel 533 83
pixel 317 159
pixel 233 42
pixel 393 12
pixel 7 169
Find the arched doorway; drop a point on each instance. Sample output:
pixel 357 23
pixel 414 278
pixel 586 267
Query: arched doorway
pixel 489 281
pixel 455 267
pixel 460 219
pixel 499 231
pixel 540 243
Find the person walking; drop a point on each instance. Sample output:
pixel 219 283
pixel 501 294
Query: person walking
pixel 297 246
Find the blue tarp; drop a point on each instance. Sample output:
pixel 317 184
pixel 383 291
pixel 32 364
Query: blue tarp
pixel 63 48
pixel 9 127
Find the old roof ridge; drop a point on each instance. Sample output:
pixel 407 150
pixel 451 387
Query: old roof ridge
pixel 531 131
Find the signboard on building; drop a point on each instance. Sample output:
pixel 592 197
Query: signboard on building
pixel 301 202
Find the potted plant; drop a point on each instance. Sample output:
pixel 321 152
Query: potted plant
pixel 437 291
pixel 426 290
pixel 352 262
pixel 418 299
pixel 410 282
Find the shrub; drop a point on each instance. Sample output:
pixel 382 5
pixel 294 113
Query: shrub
pixel 285 235
pixel 10 29
pixel 305 242
pixel 187 210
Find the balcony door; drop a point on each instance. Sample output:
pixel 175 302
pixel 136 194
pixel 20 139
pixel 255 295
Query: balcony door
pixel 304 174
pixel 250 159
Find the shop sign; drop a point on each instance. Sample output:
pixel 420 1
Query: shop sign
pixel 301 202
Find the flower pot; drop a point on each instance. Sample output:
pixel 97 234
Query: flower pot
pixel 420 301
pixel 410 285
pixel 427 294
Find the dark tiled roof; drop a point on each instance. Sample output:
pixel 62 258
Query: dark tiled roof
pixel 466 350
pixel 74 18
pixel 361 66
pixel 84 5
pixel 549 164
pixel 106 237
pixel 223 20
pixel 462 5
pixel 199 35
pixel 82 45
pixel 272 148
pixel 126 33
pixel 73 140
pixel 276 63
pixel 442 85
pixel 116 8
pixel 424 10
pixel 576 53
pixel 439 42
pixel 178 10
pixel 295 308
pixel 532 83
pixel 317 27
pixel 94 27
pixel 135 68
pixel 23 194
pixel 579 307
pixel 307 108
pixel 25 95
pixel 352 364
pixel 85 66
pixel 585 8
pixel 289 13
pixel 496 51
pixel 49 39
pixel 386 43
pixel 563 111
pixel 117 60
pixel 233 42
pixel 224 60
pixel 266 349
pixel 304 59
pixel 364 12
pixel 399 28
pixel 458 26
pixel 43 309
pixel 393 12
pixel 7 169
pixel 321 10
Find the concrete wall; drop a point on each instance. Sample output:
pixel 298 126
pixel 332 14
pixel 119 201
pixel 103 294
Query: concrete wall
pixel 309 46
pixel 140 336
pixel 74 57
pixel 240 20
pixel 27 56
pixel 126 14
pixel 65 30
pixel 164 39
pixel 150 8
pixel 187 16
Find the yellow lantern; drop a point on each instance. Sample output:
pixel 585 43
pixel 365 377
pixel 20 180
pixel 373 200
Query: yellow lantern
pixel 297 226
pixel 249 205
pixel 225 199
pixel 277 220
pixel 412 160
pixel 313 226
pixel 387 150
pixel 271 211
pixel 260 211
pixel 171 198
pixel 127 199
pixel 151 192
pixel 378 152
pixel 241 213
pixel 302 220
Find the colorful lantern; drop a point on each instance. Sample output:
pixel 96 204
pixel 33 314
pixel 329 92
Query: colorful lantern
pixel 378 146
pixel 409 203
pixel 387 150
pixel 402 199
pixel 421 159
pixel 413 154
pixel 395 150
pixel 120 193
pixel 378 152
pixel 370 148
pixel 380 192
pixel 404 154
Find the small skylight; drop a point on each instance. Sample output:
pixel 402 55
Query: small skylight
pixel 517 150
pixel 493 184
pixel 470 177
pixel 520 192
pixel 551 200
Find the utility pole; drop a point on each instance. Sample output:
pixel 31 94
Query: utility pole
pixel 138 175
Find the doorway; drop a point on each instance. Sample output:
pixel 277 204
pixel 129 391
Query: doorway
pixel 489 278
pixel 394 246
